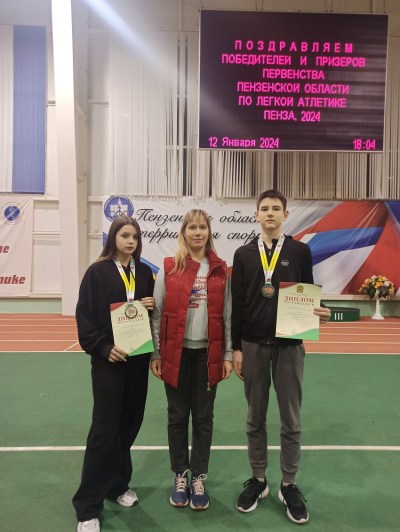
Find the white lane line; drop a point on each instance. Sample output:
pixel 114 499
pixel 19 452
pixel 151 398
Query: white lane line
pixel 71 346
pixel 35 353
pixel 214 448
pixel 48 341
pixel 361 353
pixel 345 342
pixel 41 325
pixel 362 334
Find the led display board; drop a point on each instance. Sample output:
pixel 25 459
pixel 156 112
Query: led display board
pixel 292 81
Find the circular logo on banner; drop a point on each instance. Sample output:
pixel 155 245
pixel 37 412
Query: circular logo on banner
pixel 118 206
pixel 11 213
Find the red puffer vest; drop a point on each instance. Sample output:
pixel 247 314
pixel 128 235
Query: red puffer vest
pixel 178 288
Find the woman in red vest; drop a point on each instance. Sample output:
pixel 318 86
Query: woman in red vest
pixel 191 332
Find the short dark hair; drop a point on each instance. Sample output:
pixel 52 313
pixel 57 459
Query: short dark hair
pixel 110 247
pixel 275 194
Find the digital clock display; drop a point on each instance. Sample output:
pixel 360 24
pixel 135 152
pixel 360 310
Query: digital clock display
pixel 292 81
pixel 364 144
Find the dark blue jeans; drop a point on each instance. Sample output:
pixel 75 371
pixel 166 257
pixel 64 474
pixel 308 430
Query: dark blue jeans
pixel 191 397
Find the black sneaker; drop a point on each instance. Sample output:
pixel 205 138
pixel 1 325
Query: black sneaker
pixel 294 501
pixel 253 490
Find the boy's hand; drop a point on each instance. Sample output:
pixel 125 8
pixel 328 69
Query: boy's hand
pixel 324 314
pixel 237 363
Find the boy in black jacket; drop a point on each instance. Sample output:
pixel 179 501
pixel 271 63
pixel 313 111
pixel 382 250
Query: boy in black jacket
pixel 260 358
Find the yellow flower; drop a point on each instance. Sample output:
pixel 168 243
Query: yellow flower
pixel 377 286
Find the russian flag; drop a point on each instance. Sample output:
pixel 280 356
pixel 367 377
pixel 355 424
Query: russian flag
pixel 22 109
pixel 355 240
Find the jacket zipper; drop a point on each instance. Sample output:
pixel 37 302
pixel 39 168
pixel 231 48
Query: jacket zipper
pixel 208 345
pixel 208 358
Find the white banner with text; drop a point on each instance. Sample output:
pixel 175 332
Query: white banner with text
pixel 16 229
pixel 349 240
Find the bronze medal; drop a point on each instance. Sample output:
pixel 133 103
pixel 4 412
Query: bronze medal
pixel 268 291
pixel 131 311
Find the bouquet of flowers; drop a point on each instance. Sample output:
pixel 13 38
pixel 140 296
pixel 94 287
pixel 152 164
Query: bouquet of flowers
pixel 377 287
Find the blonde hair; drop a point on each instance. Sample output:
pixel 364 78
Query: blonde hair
pixel 183 250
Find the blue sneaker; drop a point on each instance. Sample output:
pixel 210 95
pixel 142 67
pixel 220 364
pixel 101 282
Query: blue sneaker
pixel 180 490
pixel 199 497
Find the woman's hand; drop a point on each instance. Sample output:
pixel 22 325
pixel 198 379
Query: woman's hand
pixel 324 314
pixel 148 302
pixel 155 366
pixel 227 369
pixel 117 355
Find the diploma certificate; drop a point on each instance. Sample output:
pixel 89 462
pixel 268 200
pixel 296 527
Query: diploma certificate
pixel 133 335
pixel 295 317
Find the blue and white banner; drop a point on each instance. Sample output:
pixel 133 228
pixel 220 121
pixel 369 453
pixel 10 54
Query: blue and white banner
pixel 349 240
pixel 16 229
pixel 22 108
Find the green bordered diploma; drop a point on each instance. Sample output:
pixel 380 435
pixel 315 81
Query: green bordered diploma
pixel 131 327
pixel 295 317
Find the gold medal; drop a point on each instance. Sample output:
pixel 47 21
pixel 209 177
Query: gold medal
pixel 268 291
pixel 131 311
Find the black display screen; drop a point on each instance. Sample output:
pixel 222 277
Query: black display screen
pixel 292 81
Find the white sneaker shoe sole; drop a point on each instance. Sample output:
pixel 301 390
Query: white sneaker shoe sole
pixel 127 499
pixel 93 525
pixel 263 494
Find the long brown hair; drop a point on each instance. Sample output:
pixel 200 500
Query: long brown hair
pixel 110 247
pixel 183 250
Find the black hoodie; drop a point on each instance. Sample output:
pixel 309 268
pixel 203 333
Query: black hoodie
pixel 101 286
pixel 254 316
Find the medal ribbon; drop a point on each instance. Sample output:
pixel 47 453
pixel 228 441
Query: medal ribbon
pixel 129 285
pixel 269 268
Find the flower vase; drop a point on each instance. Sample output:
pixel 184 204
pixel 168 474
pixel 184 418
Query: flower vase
pixel 377 315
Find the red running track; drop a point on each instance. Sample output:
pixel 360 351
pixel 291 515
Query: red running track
pixel 53 332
